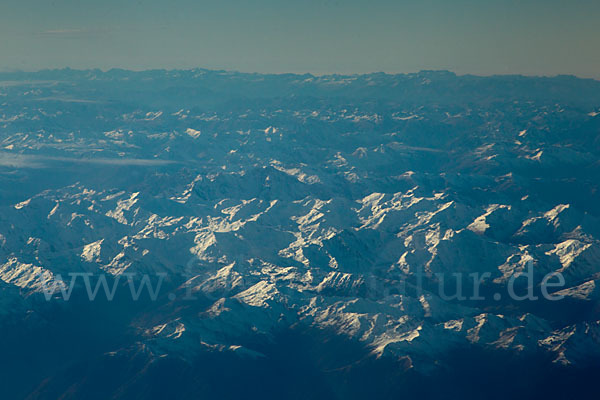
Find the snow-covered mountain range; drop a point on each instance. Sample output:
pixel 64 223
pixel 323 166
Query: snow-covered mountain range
pixel 304 233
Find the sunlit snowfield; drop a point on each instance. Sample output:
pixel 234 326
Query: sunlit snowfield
pixel 203 234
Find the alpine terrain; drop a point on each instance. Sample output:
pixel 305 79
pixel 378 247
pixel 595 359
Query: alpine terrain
pixel 198 234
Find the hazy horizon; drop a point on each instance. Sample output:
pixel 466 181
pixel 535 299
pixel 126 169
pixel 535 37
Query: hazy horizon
pixel 532 38
pixel 300 73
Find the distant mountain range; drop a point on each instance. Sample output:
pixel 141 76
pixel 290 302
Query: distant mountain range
pixel 298 236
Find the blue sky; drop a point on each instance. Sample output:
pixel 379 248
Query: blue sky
pixel 532 37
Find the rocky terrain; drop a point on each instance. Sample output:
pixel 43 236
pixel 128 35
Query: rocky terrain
pixel 303 234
